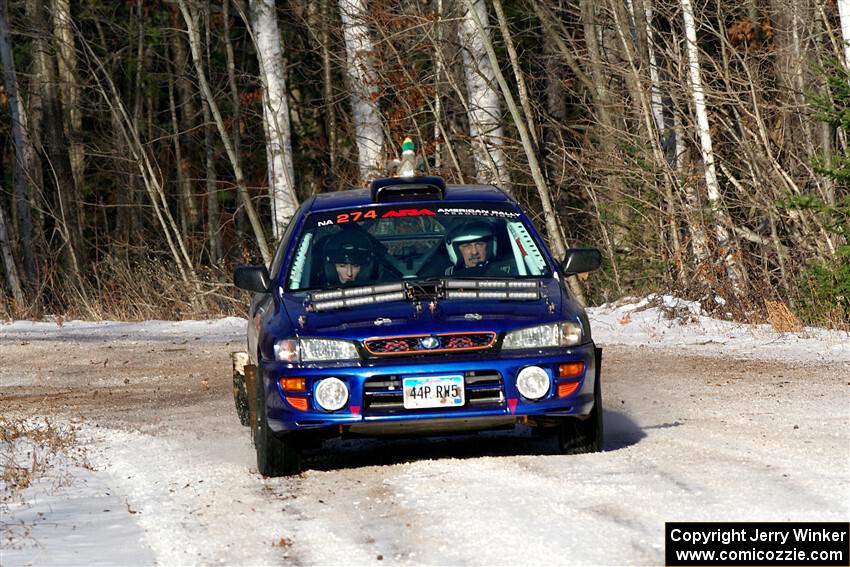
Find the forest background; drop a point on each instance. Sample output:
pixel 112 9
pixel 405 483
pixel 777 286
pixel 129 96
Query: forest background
pixel 148 146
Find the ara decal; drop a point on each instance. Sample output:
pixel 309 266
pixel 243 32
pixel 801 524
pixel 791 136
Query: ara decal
pixel 409 213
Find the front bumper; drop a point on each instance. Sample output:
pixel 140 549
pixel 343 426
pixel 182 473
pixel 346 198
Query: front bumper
pixel 362 412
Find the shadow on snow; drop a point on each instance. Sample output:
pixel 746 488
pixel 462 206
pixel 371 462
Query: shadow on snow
pixel 620 432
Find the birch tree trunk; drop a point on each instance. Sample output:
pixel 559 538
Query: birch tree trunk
pixel 364 90
pixel 556 237
pixel 275 115
pixel 485 116
pixel 721 218
pixel 655 82
pixel 24 153
pixel 69 86
pixel 8 259
pixel 844 15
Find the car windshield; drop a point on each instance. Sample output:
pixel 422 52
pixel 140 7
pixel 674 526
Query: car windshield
pixel 393 243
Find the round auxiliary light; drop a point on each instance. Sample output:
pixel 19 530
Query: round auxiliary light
pixel 331 394
pixel 533 382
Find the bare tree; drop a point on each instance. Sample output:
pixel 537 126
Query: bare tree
pixel 8 259
pixel 721 218
pixel 275 114
pixel 327 83
pixel 184 100
pixel 68 217
pixel 24 153
pixel 485 116
pixel 69 85
pixel 194 43
pixel 556 238
pixel 213 225
pixel 363 86
pixel 148 170
pixel 844 15
pixel 236 106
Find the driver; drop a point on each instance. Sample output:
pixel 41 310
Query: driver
pixel 349 259
pixel 472 250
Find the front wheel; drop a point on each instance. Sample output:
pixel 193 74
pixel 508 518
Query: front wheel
pixel 577 436
pixel 275 457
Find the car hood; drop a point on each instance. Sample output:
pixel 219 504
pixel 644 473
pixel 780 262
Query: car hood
pixel 400 318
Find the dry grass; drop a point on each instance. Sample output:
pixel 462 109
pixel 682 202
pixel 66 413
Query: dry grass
pixel 781 318
pixel 151 289
pixel 27 448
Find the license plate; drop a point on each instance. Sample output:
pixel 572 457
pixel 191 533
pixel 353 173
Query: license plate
pixel 433 391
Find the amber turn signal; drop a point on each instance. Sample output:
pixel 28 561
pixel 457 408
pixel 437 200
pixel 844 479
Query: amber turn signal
pixel 293 384
pixel 570 369
pixel 297 403
pixel 565 390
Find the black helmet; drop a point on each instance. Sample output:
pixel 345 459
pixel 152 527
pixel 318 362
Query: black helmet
pixel 470 231
pixel 348 247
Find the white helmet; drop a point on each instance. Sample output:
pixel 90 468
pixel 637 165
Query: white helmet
pixel 470 231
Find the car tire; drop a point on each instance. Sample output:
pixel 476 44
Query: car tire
pixel 577 436
pixel 275 457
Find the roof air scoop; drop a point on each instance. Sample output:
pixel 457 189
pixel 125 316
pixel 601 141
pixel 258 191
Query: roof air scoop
pixel 423 187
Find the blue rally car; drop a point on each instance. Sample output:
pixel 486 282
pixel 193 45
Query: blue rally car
pixel 413 308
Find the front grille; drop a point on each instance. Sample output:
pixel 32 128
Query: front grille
pixel 426 344
pixel 483 389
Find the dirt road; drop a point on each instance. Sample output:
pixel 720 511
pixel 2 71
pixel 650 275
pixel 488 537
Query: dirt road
pixel 687 438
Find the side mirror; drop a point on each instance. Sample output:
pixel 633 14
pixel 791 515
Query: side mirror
pixel 252 278
pixel 581 260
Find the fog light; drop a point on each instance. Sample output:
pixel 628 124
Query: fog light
pixel 331 394
pixel 533 382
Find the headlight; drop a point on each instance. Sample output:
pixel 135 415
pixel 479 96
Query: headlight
pixel 311 350
pixel 327 349
pixel 533 382
pixel 563 334
pixel 331 394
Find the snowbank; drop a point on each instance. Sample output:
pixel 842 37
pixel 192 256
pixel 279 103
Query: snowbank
pixel 666 321
pixel 217 330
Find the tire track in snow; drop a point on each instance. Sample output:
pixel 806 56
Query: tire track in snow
pixel 193 509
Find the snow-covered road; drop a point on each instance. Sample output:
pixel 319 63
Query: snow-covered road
pixel 704 421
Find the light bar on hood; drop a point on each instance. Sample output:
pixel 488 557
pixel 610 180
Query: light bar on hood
pixel 359 291
pixel 502 295
pixel 380 294
pixel 490 284
pixel 492 289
